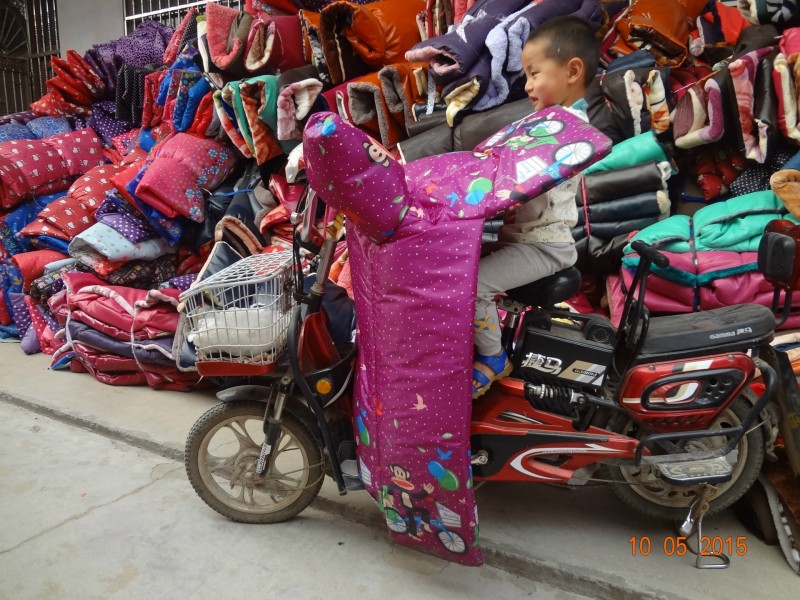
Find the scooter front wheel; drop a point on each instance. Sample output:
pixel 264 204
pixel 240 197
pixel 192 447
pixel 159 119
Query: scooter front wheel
pixel 222 453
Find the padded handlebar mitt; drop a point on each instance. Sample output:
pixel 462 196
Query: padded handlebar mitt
pixel 226 34
pixel 376 209
pixel 359 39
pixel 414 235
pixel 274 43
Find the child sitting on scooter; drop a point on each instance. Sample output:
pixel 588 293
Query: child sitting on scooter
pixel 560 58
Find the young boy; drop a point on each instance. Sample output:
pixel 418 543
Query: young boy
pixel 559 59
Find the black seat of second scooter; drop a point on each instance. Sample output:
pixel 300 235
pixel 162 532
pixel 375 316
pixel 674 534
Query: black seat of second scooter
pixel 728 326
pixel 549 290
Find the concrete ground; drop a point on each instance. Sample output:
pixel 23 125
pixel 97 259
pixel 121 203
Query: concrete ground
pixel 576 540
pixel 88 517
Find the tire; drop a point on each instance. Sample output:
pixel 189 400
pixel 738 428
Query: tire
pixel 230 485
pixel 670 503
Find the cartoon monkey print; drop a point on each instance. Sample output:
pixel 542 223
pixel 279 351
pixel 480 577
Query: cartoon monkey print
pixel 377 153
pixel 402 485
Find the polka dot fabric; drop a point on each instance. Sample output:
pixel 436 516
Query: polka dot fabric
pixel 20 117
pixel 175 42
pixel 120 216
pixel 412 400
pixel 146 45
pixel 104 121
pixel 19 310
pixel 38 322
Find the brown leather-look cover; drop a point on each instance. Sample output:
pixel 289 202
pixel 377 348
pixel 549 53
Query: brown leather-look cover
pixel 358 39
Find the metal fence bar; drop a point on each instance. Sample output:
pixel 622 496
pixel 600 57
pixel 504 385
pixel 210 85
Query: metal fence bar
pixel 43 42
pixel 23 74
pixel 169 12
pixel 14 80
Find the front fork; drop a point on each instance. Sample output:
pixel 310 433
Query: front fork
pixel 272 424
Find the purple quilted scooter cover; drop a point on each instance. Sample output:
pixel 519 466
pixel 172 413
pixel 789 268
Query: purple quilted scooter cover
pixel 414 234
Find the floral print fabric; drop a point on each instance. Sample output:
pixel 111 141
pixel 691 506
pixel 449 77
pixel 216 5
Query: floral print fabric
pixel 182 168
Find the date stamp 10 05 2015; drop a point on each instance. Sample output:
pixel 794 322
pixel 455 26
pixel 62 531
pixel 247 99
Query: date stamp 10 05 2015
pixel 676 545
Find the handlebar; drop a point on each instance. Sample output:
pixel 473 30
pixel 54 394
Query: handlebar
pixel 647 252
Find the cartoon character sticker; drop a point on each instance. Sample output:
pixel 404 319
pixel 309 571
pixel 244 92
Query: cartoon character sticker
pixel 404 505
pixel 377 153
pixel 536 134
pixel 411 500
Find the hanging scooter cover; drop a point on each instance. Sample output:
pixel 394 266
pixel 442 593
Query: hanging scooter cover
pixel 414 235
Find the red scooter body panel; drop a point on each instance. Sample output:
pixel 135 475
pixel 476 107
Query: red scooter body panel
pixel 525 444
pixel 680 395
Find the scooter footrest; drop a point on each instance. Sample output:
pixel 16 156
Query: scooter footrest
pixel 711 470
pixel 350 474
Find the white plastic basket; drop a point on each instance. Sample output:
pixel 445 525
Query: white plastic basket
pixel 241 314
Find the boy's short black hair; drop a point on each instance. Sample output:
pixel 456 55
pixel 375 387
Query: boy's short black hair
pixel 568 38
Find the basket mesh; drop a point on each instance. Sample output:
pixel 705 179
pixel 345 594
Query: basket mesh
pixel 241 314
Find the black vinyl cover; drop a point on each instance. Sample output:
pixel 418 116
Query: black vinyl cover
pixel 607 231
pixel 609 185
pixel 471 131
pixel 765 99
pixel 741 324
pixel 598 256
pixel 625 209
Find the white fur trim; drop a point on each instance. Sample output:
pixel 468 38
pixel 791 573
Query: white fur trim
pixel 663 202
pixel 305 95
pixel 691 139
pixel 366 103
pixel 635 98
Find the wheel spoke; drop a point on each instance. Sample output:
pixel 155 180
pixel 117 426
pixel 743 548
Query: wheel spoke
pixel 284 444
pixel 245 441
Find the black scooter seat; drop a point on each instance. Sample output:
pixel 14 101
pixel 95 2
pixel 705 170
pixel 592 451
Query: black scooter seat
pixel 741 324
pixel 548 291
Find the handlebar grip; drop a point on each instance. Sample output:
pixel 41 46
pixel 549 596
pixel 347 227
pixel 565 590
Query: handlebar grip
pixel 649 253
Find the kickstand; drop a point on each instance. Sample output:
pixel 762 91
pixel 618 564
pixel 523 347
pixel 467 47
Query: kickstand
pixel 692 530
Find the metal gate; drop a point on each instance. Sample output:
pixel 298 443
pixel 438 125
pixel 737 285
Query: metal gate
pixel 169 12
pixel 28 38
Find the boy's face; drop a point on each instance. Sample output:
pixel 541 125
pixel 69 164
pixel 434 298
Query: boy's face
pixel 550 82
